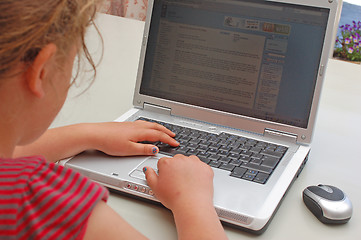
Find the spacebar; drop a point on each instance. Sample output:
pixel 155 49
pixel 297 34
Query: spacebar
pixel 170 151
pixel 256 167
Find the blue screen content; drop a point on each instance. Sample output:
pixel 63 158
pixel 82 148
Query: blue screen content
pixel 254 58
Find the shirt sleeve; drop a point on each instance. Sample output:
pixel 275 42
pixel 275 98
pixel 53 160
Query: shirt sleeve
pixel 57 203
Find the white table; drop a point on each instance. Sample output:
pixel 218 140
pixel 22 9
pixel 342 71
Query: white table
pixel 335 155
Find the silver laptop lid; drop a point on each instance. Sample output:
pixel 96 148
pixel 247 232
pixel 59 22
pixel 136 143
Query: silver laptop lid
pixel 254 65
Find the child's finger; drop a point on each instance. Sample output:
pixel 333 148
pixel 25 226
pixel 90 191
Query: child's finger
pixel 154 136
pixel 143 149
pixel 151 176
pixel 158 127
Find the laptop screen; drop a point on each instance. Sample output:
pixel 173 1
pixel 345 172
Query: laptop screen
pixel 254 58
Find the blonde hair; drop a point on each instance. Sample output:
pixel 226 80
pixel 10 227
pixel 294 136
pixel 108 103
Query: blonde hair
pixel 29 25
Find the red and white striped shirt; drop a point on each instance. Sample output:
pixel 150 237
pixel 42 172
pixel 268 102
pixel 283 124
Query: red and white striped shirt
pixel 41 200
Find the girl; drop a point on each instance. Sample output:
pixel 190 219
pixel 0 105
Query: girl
pixel 39 40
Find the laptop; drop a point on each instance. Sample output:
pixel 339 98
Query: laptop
pixel 239 81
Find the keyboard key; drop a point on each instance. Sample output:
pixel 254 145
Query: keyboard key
pixel 227 166
pixel 235 162
pixel 193 152
pixel 261 178
pixel 234 144
pixel 213 157
pixel 257 155
pixel 270 161
pixel 233 156
pixel 225 148
pixel 256 167
pixel 238 172
pixel 195 141
pixel 256 161
pixel 204 143
pixel 187 131
pixel 202 154
pixel 261 144
pixel 213 139
pixel 204 159
pixel 236 151
pixel 251 172
pixel 242 140
pixel 215 164
pixel 248 177
pixel 224 142
pixel 182 142
pixel 203 137
pixel 194 135
pixel 171 151
pixel 244 147
pixel 185 138
pixel 267 157
pixel 246 153
pixel 212 150
pixel 250 143
pixel 182 150
pixel 255 149
pixel 224 159
pixel 246 158
pixel 214 145
pixel 271 153
pixel 202 148
pixel 224 135
pixel 222 153
pixel 192 146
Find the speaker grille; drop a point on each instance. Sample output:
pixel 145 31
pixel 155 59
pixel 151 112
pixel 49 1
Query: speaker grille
pixel 233 216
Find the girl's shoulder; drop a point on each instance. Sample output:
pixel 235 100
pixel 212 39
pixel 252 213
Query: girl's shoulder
pixel 17 164
pixel 45 200
pixel 18 170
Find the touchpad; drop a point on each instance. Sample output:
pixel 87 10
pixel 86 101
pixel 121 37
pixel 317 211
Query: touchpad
pixel 149 162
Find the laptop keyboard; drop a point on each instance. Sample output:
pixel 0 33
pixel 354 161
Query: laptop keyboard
pixel 243 157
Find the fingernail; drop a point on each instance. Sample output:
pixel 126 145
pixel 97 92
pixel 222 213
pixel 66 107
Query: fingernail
pixel 155 150
pixel 144 169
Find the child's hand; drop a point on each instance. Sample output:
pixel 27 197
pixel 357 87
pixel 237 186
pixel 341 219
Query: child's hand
pixel 182 183
pixel 112 138
pixel 122 138
pixel 185 186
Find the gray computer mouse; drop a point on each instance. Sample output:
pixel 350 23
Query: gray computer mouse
pixel 328 203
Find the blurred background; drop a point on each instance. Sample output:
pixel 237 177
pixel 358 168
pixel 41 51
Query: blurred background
pixel 347 45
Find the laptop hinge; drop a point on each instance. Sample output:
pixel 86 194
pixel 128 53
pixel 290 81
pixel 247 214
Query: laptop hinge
pixel 280 135
pixel 157 109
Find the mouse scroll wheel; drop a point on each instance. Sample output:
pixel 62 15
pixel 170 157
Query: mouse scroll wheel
pixel 326 188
